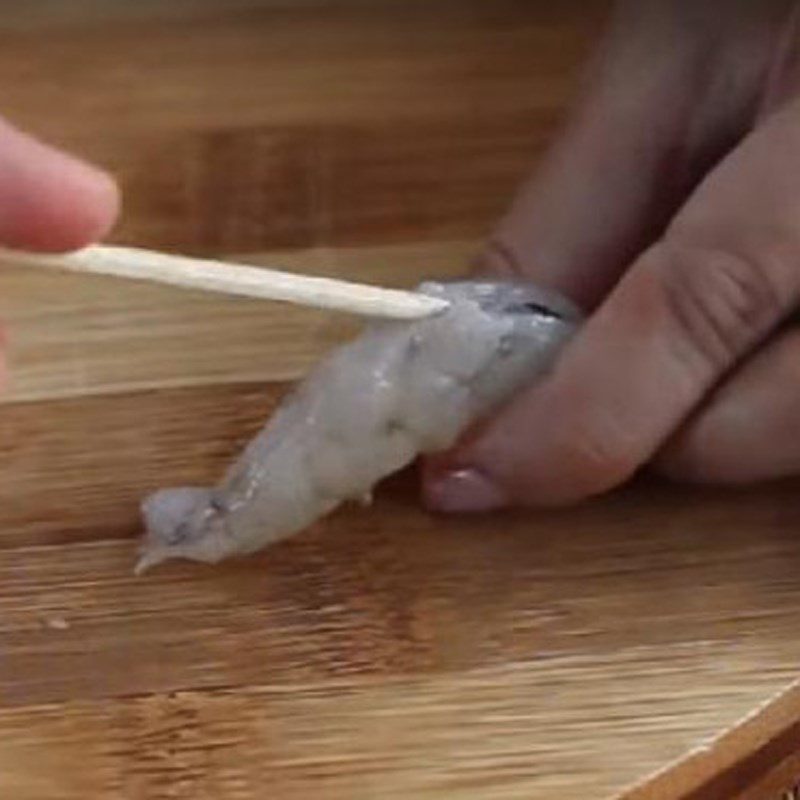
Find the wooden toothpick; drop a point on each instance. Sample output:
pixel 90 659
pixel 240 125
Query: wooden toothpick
pixel 238 279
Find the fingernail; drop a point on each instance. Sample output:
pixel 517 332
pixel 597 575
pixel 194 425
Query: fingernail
pixel 463 491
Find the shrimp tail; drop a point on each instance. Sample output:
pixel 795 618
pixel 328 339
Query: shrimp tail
pixel 166 515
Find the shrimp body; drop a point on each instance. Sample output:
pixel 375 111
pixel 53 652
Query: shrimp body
pixel 370 409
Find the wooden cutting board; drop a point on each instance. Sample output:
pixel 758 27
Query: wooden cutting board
pixel 643 646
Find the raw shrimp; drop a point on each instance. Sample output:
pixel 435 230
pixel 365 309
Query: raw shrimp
pixel 398 390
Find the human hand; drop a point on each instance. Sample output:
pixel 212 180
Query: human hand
pixel 50 201
pixel 670 208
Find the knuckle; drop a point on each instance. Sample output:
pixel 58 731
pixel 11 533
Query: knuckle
pixel 499 258
pixel 743 432
pixel 593 459
pixel 720 301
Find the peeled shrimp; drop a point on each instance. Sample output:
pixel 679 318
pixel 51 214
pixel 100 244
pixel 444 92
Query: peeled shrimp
pixel 398 390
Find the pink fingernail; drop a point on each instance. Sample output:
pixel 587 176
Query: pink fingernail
pixel 463 491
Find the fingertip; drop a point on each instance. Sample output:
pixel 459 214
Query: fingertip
pixel 62 205
pixel 49 200
pixel 91 216
pixel 460 490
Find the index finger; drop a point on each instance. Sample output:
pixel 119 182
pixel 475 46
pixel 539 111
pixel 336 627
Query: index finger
pixel 668 94
pixel 48 199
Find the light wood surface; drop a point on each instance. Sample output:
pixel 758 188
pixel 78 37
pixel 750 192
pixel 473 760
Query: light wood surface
pixel 643 646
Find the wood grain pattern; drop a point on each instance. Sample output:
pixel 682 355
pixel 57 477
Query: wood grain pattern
pixel 642 647
pixel 268 125
pixel 411 668
pixel 359 739
pixel 72 336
